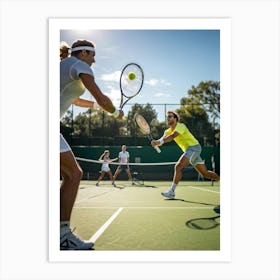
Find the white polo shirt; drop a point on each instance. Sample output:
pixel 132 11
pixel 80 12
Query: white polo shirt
pixel 124 156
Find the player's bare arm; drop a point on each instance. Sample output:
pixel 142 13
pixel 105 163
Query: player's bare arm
pixel 100 98
pixel 84 103
pixel 165 139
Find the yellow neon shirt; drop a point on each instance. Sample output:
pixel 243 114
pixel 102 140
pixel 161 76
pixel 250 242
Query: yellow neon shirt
pixel 184 139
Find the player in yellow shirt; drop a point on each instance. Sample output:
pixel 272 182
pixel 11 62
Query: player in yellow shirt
pixel 191 151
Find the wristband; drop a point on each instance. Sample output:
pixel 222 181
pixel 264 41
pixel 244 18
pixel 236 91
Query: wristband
pixel 161 141
pixel 116 113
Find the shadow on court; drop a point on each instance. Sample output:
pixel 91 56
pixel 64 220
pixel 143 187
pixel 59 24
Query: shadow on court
pixel 204 223
pixel 144 186
pixel 189 201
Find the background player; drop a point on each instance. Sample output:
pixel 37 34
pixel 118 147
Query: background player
pixel 105 166
pixel 124 159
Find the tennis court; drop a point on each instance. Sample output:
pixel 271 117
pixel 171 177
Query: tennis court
pixel 138 217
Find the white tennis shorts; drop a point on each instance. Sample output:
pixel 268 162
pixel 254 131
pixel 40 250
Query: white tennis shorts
pixel 64 147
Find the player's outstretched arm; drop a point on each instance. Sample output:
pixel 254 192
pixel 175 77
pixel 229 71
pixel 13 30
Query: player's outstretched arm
pixel 103 100
pixel 164 139
pixel 84 103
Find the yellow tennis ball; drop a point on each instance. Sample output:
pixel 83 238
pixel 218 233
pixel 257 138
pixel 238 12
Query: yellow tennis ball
pixel 131 76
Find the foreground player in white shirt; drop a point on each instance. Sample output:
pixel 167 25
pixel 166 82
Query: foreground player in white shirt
pixel 124 160
pixel 75 77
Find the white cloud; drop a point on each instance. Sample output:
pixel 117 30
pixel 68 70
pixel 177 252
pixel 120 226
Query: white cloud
pixel 156 82
pixel 112 77
pixel 162 94
pixel 114 94
pixel 165 83
pixel 152 82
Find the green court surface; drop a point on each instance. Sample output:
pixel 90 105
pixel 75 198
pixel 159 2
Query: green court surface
pixel 138 217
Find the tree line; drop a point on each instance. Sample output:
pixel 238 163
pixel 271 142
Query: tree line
pixel 199 110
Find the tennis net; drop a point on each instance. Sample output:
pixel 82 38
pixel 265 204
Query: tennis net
pixel 143 171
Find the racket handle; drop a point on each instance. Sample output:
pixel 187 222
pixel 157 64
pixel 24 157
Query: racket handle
pixel 157 149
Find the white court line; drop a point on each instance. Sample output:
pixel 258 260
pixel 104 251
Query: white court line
pixel 146 207
pixel 104 227
pixel 206 190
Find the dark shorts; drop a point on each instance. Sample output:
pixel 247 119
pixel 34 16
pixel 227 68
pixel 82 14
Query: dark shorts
pixel 123 167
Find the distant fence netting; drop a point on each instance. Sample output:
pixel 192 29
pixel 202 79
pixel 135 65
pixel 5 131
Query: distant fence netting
pixel 143 160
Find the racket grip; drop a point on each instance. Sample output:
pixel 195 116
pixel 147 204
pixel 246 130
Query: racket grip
pixel 157 149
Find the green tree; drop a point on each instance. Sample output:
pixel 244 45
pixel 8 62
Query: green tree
pixel 207 95
pixel 196 119
pixel 103 124
pixel 200 110
pixel 92 123
pixel 67 119
pixel 66 125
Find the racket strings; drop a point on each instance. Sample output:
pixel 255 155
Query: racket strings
pixel 131 87
pixel 143 124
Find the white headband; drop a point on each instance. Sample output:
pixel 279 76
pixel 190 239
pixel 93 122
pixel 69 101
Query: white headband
pixel 87 48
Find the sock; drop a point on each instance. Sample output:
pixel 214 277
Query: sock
pixel 173 187
pixel 64 223
pixel 64 227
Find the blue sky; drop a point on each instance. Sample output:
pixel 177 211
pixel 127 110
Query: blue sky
pixel 172 60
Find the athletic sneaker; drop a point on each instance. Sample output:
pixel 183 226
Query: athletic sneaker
pixel 169 194
pixel 70 241
pixel 113 184
pixel 97 184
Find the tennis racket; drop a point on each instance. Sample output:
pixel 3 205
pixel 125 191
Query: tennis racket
pixel 131 82
pixel 145 128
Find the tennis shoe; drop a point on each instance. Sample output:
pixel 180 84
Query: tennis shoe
pixel 70 241
pixel 113 184
pixel 97 184
pixel 169 194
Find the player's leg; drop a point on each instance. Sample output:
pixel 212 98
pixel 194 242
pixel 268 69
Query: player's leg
pixel 110 175
pixel 129 175
pixel 71 174
pixel 199 164
pixel 201 168
pixel 178 171
pixel 100 177
pixel 117 172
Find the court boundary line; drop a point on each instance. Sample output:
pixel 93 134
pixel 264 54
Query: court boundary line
pixel 105 226
pixel 144 207
pixel 205 190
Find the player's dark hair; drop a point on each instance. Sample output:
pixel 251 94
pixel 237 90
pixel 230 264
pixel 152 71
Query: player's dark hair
pixel 174 114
